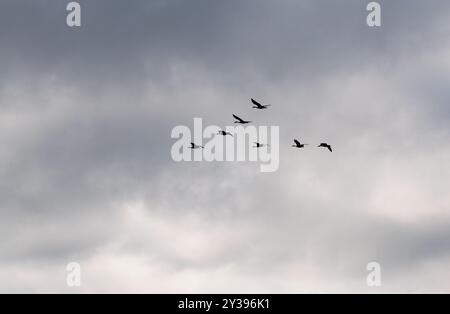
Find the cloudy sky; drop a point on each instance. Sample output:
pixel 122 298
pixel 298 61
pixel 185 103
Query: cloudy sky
pixel 86 173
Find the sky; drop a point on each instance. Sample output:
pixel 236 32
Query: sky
pixel 86 173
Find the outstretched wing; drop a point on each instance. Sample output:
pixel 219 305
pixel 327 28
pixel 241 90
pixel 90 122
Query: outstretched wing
pixel 330 149
pixel 237 118
pixel 297 143
pixel 256 103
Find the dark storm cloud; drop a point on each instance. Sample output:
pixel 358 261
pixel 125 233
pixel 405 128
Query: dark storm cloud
pixel 128 41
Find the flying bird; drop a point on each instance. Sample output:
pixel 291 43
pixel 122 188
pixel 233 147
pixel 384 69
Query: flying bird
pixel 223 133
pixel 325 145
pixel 298 144
pixel 257 105
pixel 195 146
pixel 240 121
pixel 259 145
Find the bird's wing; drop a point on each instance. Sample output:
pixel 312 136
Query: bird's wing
pixel 297 142
pixel 330 149
pixel 256 103
pixel 237 118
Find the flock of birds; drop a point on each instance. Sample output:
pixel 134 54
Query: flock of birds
pixel 257 105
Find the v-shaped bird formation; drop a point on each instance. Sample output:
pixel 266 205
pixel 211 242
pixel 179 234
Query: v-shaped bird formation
pixel 257 105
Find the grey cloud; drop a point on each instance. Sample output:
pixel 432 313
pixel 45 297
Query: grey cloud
pixel 86 172
pixel 230 39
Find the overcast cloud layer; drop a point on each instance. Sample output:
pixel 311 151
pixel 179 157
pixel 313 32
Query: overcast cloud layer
pixel 85 168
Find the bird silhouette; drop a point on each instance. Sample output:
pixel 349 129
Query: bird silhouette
pixel 259 145
pixel 257 105
pixel 325 145
pixel 194 146
pixel 298 144
pixel 223 133
pixel 240 121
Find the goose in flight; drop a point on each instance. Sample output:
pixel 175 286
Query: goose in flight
pixel 259 145
pixel 223 133
pixel 298 144
pixel 195 146
pixel 240 121
pixel 325 145
pixel 257 105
